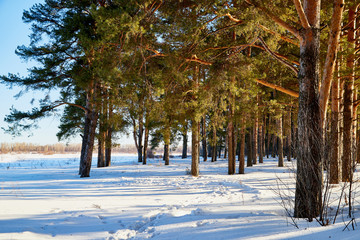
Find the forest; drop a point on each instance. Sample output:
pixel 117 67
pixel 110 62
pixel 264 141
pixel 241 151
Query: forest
pixel 246 77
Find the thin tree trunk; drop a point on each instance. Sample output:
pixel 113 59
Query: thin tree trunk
pixel 140 137
pixel 146 142
pixel 242 150
pixel 289 137
pixel 261 143
pixel 167 145
pixel 280 141
pixel 255 141
pixel 195 128
pixel 203 139
pixel 348 104
pixel 185 140
pixel 214 140
pixel 231 146
pixel 249 161
pixel 334 155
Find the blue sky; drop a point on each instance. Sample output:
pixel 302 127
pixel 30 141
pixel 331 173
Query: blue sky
pixel 14 33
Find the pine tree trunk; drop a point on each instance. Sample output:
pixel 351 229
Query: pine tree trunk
pixel 166 156
pixel 87 147
pixel 167 145
pixel 140 138
pixel 195 127
pixel 231 146
pixel 102 133
pixel 308 193
pixel 255 142
pixel 101 149
pixel 348 104
pixel 274 146
pixel 261 144
pixel 280 141
pixel 184 150
pixel 288 142
pixel 203 139
pixel 214 140
pixel 226 146
pixel 242 150
pixel 249 149
pixel 146 142
pixel 334 155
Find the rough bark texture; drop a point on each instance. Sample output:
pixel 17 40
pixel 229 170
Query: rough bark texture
pixel 101 149
pixel 308 193
pixel 214 140
pixel 185 140
pixel 167 145
pixel 203 139
pixel 334 155
pixel 242 151
pixel 261 144
pixel 108 139
pixel 140 137
pixel 348 105
pixel 91 117
pixel 329 66
pixel 249 150
pixel 255 141
pixel 146 142
pixel 280 142
pixel 195 127
pixel 231 147
pixel 166 154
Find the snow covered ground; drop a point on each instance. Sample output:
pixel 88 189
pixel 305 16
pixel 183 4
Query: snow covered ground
pixel 42 197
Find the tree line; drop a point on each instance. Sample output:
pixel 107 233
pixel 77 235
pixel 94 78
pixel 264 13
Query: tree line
pixel 251 75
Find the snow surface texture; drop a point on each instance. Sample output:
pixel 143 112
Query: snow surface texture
pixel 42 197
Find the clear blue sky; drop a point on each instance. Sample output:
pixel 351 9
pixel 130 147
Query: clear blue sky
pixel 14 33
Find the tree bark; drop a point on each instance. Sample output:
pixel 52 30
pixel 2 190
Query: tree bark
pixel 231 146
pixel 146 142
pixel 203 139
pixel 167 145
pixel 214 140
pixel 91 117
pixel 185 140
pixel 255 141
pixel 280 141
pixel 261 143
pixel 289 137
pixel 334 155
pixel 242 150
pixel 308 193
pixel 348 104
pixel 195 128
pixel 249 161
pixel 140 138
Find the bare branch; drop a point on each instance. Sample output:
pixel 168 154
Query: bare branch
pixel 294 69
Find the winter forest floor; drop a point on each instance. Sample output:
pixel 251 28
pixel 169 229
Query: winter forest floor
pixel 42 197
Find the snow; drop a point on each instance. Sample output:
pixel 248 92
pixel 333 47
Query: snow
pixel 42 197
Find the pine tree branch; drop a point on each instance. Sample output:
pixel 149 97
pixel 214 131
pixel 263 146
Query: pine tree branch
pixel 294 69
pixel 278 88
pixel 277 20
pixel 303 19
pixel 287 39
